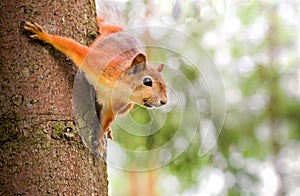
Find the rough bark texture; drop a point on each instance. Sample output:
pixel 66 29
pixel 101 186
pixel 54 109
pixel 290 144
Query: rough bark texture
pixel 40 150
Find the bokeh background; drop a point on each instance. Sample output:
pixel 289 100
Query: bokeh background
pixel 232 124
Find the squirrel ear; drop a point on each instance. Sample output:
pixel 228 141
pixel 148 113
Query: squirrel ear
pixel 160 67
pixel 139 59
pixel 138 64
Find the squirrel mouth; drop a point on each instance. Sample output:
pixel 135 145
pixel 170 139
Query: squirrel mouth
pixel 147 105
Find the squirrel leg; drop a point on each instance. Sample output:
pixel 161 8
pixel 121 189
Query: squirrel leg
pixel 106 119
pixel 69 47
pixel 109 119
pixel 106 28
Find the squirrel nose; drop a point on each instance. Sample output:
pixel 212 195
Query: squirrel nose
pixel 162 102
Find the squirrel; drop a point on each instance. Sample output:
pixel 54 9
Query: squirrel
pixel 116 66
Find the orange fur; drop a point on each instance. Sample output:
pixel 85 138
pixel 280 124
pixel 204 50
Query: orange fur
pixel 106 28
pixel 78 53
pixel 104 63
pixel 69 47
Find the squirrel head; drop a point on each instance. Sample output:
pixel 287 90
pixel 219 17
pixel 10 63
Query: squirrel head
pixel 147 87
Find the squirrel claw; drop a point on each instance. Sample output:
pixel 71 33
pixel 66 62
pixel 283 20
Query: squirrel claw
pixel 35 36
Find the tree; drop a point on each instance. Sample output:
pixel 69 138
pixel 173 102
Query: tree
pixel 41 152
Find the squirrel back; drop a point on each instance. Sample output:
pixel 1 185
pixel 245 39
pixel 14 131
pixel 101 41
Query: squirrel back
pixel 110 56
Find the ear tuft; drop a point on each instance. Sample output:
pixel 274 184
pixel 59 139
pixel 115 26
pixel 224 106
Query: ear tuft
pixel 160 67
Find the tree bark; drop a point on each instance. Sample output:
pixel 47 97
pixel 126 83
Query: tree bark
pixel 40 150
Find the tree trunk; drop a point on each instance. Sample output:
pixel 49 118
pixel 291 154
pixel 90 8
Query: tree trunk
pixel 40 150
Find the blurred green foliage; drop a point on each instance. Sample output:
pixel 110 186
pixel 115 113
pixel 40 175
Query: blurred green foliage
pixel 254 46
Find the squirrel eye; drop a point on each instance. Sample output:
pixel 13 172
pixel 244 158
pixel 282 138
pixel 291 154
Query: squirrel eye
pixel 147 82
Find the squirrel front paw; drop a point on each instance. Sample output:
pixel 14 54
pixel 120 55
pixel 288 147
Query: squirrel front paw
pixel 36 29
pixel 109 134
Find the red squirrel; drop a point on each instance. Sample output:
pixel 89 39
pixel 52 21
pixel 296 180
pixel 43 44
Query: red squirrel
pixel 117 68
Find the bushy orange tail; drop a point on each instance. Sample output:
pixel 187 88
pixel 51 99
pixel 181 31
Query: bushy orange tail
pixel 106 28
